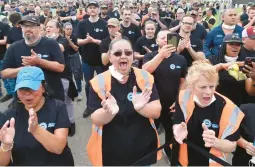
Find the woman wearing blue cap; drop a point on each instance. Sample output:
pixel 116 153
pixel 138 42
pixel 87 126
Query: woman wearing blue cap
pixel 35 131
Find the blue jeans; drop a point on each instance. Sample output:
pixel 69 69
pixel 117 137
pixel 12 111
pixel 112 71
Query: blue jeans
pixel 88 72
pixel 9 83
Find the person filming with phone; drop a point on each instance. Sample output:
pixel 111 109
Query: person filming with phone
pixel 232 75
pixel 169 70
pixel 189 46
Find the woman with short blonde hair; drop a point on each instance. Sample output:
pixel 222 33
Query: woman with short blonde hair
pixel 205 118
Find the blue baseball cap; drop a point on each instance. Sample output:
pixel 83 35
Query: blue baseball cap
pixel 29 77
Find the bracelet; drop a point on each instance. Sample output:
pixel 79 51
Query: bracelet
pixel 4 149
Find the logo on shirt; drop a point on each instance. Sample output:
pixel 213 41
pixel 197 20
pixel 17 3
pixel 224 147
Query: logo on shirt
pixel 193 46
pixel 42 56
pixel 219 36
pixel 45 126
pixel 115 14
pixel 97 30
pixel 208 123
pixel 130 96
pixel 131 32
pixel 173 66
pixel 153 45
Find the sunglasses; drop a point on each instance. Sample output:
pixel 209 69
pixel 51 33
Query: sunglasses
pixel 126 52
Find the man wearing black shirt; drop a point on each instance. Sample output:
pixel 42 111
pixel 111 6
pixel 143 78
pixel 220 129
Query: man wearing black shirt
pixel 90 33
pixel 198 30
pixel 189 46
pixel 113 25
pixel 169 70
pixel 4 28
pixel 31 10
pixel 129 30
pixel 35 50
pixel 251 20
pixel 175 25
pixel 65 15
pixel 112 13
pixel 103 15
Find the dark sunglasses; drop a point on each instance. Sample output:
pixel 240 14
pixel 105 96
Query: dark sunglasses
pixel 126 52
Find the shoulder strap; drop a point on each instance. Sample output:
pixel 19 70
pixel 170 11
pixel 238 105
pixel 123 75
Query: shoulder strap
pixel 143 78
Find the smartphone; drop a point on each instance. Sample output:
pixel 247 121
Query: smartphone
pixel 248 61
pixel 172 39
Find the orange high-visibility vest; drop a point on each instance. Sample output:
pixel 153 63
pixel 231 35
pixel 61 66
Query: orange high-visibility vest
pixel 229 123
pixel 102 84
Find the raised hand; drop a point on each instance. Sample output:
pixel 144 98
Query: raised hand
pixel 30 60
pixel 208 136
pixel 110 104
pixel 7 133
pixel 180 132
pixel 32 121
pixel 140 100
pixel 167 51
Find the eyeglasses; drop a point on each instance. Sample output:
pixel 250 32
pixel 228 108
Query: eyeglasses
pixel 103 8
pixel 126 52
pixel 187 23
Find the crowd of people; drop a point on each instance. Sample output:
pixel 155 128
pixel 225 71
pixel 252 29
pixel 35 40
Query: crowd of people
pixel 198 86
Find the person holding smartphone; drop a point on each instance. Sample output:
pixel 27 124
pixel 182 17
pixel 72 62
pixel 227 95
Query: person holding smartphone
pixel 169 70
pixel 229 54
pixel 189 46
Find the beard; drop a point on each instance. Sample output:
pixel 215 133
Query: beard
pixel 27 37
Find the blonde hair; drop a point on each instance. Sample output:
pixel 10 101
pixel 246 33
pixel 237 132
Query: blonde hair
pixel 201 68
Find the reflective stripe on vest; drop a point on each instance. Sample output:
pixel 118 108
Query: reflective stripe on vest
pixel 101 84
pixel 98 130
pixel 230 120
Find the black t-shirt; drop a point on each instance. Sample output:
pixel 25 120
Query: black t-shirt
pixel 4 28
pixel 29 12
pixel 247 131
pixel 196 45
pixel 67 73
pixel 91 52
pixel 42 19
pixel 73 38
pixel 47 49
pixel 174 23
pixel 129 136
pixel 132 32
pixel 105 19
pixel 245 22
pixel 114 14
pixel 170 16
pixel 210 114
pixel 27 151
pixel 228 85
pixel 167 77
pixel 144 12
pixel 199 32
pixel 65 14
pixel 149 43
pixel 14 34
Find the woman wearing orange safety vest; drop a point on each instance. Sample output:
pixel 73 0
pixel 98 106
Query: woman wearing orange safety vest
pixel 205 118
pixel 124 102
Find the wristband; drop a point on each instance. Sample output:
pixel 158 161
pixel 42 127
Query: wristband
pixel 6 149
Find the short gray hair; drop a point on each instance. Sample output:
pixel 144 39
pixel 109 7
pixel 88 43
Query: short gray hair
pixel 67 24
